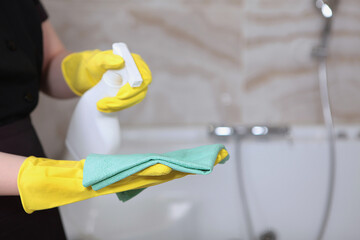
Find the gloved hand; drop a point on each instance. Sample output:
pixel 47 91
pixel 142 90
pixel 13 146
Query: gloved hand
pixel 83 70
pixel 44 183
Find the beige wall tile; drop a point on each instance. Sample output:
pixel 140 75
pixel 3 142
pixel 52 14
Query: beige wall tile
pixel 281 84
pixel 192 48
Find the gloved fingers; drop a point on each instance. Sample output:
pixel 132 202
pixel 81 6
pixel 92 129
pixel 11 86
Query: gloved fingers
pixel 143 68
pixel 102 61
pixel 127 91
pixel 114 104
pixel 106 60
pixel 223 153
pixel 109 60
pixel 155 170
pixel 161 169
pixel 151 176
pixel 136 182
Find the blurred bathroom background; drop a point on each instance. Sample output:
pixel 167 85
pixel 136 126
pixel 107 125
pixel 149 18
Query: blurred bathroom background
pixel 235 63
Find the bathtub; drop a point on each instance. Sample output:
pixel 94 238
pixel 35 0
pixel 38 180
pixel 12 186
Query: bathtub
pixel 285 179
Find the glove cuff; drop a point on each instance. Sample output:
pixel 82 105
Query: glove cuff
pixel 45 183
pixel 23 168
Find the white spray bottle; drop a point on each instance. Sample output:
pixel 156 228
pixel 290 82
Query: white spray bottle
pixel 91 131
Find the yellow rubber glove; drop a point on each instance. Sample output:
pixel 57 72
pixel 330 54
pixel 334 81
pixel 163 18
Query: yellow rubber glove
pixel 83 70
pixel 44 183
pixel 127 95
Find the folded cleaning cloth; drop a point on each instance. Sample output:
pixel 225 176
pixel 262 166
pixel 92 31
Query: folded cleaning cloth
pixel 103 170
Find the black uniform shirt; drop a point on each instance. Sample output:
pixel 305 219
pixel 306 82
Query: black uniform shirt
pixel 21 56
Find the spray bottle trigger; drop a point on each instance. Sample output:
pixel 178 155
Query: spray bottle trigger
pixel 130 73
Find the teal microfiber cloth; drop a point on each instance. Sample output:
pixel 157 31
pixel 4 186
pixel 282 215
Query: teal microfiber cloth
pixel 103 170
pixel 127 195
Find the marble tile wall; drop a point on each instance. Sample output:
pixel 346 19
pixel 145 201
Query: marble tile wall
pixel 280 78
pixel 228 61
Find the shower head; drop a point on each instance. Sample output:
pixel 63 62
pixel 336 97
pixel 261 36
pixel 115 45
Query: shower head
pixel 326 7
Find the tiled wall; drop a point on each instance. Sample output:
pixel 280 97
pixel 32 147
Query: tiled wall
pixel 225 61
pixel 280 78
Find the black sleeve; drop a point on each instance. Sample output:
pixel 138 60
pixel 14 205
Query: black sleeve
pixel 41 10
